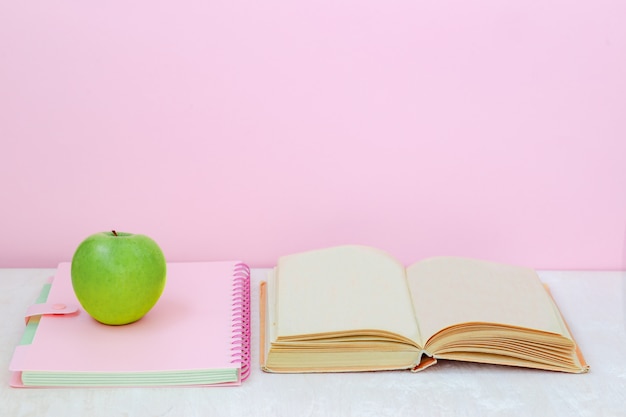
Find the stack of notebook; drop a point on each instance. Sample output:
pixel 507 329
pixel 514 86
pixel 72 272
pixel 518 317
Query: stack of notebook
pixel 197 334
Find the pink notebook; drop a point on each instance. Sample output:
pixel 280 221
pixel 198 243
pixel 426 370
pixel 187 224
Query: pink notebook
pixel 198 333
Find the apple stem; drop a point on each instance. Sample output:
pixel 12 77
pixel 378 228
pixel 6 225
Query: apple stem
pixel 114 232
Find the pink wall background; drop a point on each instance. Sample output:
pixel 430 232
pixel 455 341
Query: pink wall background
pixel 248 130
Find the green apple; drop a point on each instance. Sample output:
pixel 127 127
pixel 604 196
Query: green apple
pixel 118 277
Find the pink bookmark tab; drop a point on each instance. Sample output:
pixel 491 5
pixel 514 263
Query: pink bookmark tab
pixel 50 308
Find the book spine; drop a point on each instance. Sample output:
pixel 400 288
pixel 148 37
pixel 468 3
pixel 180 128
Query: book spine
pixel 241 319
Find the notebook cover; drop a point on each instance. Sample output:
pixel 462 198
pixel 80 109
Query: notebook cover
pixel 201 321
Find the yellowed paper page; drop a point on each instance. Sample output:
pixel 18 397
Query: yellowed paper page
pixel 341 289
pixel 447 291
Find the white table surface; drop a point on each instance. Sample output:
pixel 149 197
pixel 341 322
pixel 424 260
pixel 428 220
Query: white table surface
pixel 592 303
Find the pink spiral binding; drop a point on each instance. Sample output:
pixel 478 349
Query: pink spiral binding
pixel 241 319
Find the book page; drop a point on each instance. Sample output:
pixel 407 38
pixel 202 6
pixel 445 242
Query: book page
pixel 447 291
pixel 341 289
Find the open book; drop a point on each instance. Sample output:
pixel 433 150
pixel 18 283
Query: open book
pixel 355 308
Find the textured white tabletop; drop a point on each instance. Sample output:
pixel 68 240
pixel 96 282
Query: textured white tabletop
pixel 592 303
